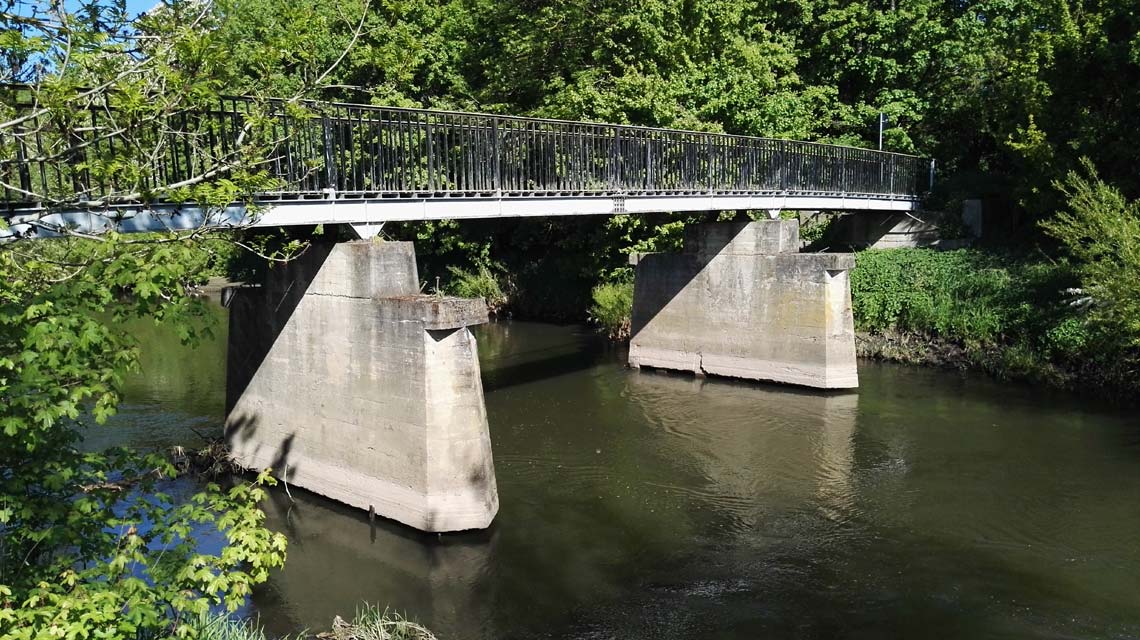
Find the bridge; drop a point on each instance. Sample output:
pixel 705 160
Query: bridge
pixel 347 380
pixel 365 165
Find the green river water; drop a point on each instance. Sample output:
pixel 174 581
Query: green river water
pixel 928 504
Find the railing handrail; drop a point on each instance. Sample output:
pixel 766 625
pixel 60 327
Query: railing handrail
pixel 536 119
pixel 350 148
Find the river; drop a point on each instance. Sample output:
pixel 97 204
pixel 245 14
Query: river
pixel 638 504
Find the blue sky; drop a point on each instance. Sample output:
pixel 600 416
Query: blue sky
pixel 134 7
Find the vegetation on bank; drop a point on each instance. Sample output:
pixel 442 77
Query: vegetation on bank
pixel 1069 320
pixel 477 283
pixel 369 623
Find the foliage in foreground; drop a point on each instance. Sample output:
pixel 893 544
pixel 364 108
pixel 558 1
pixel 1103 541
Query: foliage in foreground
pixel 93 543
pixel 612 310
pixel 90 542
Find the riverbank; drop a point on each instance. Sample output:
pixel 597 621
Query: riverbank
pixel 1007 363
pixel 1015 317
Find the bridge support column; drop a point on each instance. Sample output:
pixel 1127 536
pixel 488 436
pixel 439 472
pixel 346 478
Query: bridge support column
pixel 742 302
pixel 349 383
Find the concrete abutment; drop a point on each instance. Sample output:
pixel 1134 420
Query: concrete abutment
pixel 348 382
pixel 740 301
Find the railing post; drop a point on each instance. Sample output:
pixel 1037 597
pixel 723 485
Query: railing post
pixel 497 177
pixel 330 154
pixel 892 187
pixel 430 144
pixel 783 166
pixel 843 170
pixel 615 157
pixel 710 161
pixel 648 161
pixel 22 160
pixel 930 185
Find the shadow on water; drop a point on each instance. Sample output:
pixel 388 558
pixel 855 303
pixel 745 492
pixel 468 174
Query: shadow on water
pixel 556 351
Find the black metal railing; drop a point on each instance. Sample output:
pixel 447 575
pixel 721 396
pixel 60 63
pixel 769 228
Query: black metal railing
pixel 365 151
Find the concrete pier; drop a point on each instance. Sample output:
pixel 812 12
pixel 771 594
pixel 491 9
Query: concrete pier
pixel 349 383
pixel 741 301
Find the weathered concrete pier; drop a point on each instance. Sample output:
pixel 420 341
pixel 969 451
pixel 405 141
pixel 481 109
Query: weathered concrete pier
pixel 346 381
pixel 741 301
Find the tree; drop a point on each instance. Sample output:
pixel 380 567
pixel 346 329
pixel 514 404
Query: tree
pixel 112 110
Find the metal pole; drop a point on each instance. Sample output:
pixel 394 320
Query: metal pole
pixel 881 118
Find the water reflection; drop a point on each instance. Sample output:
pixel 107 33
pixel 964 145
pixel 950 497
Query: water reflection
pixel 748 450
pixel 339 560
pixel 178 395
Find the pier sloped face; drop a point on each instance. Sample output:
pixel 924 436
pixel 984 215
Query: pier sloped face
pixel 349 383
pixel 741 301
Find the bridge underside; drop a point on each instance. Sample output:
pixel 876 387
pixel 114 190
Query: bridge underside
pixel 376 209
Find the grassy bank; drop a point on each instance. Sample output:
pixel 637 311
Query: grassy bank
pixel 1016 317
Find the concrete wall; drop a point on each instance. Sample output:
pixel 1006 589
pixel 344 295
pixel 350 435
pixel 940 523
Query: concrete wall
pixel 741 302
pixel 347 382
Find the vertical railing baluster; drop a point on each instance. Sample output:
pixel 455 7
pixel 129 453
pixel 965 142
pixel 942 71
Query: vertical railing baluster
pixel 843 170
pixel 496 153
pixel 650 163
pixel 782 166
pixel 330 164
pixel 709 160
pixel 892 188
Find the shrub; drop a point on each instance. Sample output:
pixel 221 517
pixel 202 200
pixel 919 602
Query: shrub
pixel 477 284
pixel 959 295
pixel 613 308
pixel 1101 231
pixel 973 298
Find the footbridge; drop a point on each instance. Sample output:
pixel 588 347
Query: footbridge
pixel 348 381
pixel 365 165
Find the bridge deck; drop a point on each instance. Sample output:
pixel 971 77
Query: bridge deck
pixel 363 164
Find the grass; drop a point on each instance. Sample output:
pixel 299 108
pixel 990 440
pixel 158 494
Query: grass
pixel 613 308
pixel 370 623
pixel 480 283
